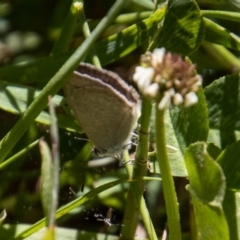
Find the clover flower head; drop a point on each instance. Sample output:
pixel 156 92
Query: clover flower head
pixel 167 77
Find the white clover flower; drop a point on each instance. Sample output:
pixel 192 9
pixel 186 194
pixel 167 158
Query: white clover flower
pixel 168 79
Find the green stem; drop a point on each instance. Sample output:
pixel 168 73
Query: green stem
pixel 232 16
pixel 145 4
pixel 18 155
pixel 131 18
pixel 55 163
pixel 167 179
pixel 126 18
pixel 222 55
pixel 135 202
pixel 68 28
pixel 56 83
pixel 87 34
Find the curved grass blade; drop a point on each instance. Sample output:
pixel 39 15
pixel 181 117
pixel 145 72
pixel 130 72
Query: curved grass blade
pixel 108 50
pixel 67 208
pixel 220 35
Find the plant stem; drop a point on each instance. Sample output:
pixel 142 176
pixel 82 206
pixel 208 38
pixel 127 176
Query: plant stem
pixel 16 156
pixel 231 16
pixel 87 33
pixel 222 56
pixel 167 179
pixel 135 202
pixel 56 165
pixel 68 28
pixel 131 18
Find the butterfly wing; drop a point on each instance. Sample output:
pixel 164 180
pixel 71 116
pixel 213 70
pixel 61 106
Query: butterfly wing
pixel 104 115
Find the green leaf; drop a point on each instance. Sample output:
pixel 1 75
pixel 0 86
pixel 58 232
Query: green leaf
pixel 175 155
pixel 229 160
pixel 214 136
pixel 231 207
pixel 211 222
pixel 207 189
pixel 223 100
pixel 217 34
pixel 16 98
pixel 222 138
pixel 40 70
pixel 190 124
pixel 183 29
pixel 183 127
pixel 207 181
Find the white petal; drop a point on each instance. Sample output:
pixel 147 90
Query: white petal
pixel 157 57
pixel 177 99
pixel 143 83
pixel 149 72
pixel 138 72
pixel 159 53
pixel 200 80
pixel 142 72
pixel 170 92
pixel 152 90
pixel 143 77
pixel 165 102
pixel 190 99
